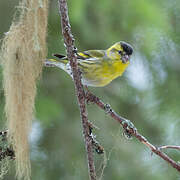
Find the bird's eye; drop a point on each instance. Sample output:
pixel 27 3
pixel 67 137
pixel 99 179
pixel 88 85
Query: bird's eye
pixel 120 52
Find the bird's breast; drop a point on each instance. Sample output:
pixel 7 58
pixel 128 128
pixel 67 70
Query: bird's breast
pixel 101 75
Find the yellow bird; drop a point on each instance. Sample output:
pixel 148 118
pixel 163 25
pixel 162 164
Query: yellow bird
pixel 98 67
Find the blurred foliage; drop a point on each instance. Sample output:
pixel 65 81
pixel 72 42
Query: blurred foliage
pixel 148 93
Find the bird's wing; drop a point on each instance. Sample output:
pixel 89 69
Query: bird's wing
pixel 91 54
pixel 60 56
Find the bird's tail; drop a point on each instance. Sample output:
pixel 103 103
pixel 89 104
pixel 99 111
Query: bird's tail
pixel 62 63
pixel 50 63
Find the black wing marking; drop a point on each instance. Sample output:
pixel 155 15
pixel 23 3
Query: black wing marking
pixel 60 56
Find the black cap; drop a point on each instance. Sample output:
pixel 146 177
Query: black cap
pixel 127 48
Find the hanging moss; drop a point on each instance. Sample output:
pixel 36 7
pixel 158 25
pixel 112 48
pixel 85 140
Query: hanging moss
pixel 23 51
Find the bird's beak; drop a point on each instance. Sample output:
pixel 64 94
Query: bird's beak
pixel 125 58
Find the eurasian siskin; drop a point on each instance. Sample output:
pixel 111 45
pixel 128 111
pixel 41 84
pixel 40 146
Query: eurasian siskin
pixel 98 67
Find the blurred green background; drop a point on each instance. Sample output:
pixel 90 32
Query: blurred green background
pixel 148 93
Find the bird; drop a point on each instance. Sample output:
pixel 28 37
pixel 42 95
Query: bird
pixel 98 67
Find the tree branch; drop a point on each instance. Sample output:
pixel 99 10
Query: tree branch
pixel 130 129
pixel 69 42
pixel 169 147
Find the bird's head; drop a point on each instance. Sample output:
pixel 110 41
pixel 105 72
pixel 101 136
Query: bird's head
pixel 120 50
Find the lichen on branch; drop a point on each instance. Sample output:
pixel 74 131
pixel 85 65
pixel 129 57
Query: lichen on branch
pixel 22 54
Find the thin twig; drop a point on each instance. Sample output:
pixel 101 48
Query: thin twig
pixel 169 147
pixel 69 42
pixel 130 129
